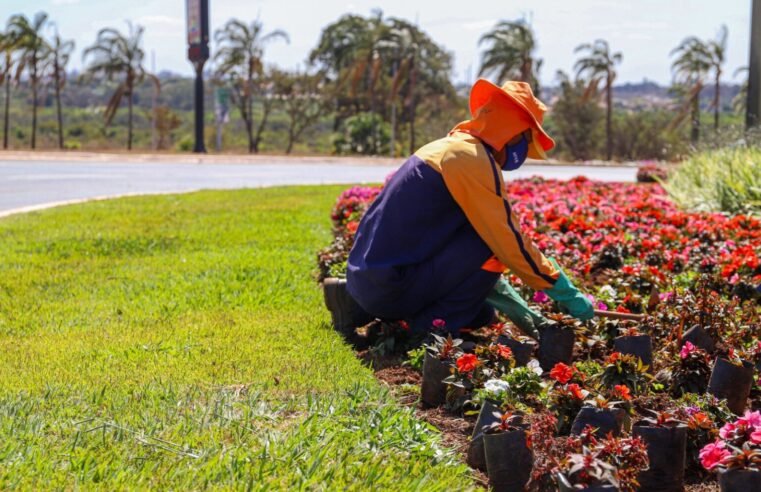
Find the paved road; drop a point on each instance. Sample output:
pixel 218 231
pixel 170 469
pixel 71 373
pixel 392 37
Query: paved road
pixel 29 185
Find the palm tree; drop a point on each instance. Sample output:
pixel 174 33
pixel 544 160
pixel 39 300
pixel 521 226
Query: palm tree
pixel 8 44
pixel 33 53
pixel 239 60
pixel 600 63
pixel 510 54
pixel 338 53
pixel 717 49
pixel 689 68
pixel 116 55
pixel 419 68
pixel 60 52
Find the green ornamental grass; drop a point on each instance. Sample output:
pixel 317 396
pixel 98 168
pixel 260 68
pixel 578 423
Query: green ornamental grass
pixel 726 180
pixel 180 342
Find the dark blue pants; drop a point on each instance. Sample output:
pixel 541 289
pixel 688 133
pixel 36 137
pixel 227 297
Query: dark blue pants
pixel 450 286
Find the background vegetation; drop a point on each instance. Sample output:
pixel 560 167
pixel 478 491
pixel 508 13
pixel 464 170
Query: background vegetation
pixel 372 85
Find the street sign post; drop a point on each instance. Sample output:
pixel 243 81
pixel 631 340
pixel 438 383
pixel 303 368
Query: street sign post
pixel 198 53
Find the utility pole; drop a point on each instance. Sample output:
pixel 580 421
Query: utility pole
pixel 753 107
pixel 198 53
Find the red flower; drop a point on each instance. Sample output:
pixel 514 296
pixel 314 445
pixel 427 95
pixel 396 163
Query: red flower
pixel 562 373
pixel 504 351
pixel 576 391
pixel 467 363
pixel 622 391
pixel 613 358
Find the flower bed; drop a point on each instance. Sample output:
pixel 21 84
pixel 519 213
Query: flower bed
pixel 634 393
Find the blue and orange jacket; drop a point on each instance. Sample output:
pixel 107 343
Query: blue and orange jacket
pixel 442 216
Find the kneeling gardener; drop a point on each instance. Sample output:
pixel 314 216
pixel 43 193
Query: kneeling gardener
pixel 436 240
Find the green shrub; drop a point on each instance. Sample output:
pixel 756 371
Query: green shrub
pixel 366 133
pixel 727 180
pixel 185 144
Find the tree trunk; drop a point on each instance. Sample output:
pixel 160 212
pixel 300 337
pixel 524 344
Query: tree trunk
pixel 253 142
pixel 291 138
pixel 608 117
pixel 129 119
pixel 58 104
pixel 34 103
pixel 250 132
pixel 7 108
pixel 716 97
pixel 266 110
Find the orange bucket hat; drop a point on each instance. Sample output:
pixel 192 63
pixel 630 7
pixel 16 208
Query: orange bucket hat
pixel 501 113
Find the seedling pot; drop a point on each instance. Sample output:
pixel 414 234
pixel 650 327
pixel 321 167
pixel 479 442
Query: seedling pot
pixel 522 351
pixel 555 345
pixel 564 485
pixel 508 460
pixel 346 313
pixel 638 345
pixel 476 453
pixel 740 481
pixel 699 337
pixel 667 452
pixel 433 392
pixel 731 382
pixel 605 420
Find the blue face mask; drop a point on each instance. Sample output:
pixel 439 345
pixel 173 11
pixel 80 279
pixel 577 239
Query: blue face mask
pixel 515 155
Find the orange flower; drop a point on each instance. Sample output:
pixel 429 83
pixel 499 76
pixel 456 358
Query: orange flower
pixel 622 391
pixel 504 351
pixel 562 373
pixel 467 363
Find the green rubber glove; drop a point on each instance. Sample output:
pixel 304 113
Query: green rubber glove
pixel 570 299
pixel 506 300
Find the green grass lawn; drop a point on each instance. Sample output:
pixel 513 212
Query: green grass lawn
pixel 180 342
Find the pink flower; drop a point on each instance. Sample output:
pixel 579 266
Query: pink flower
pixel 439 323
pixel 753 419
pixel 713 454
pixel 687 349
pixel 601 306
pixel 728 430
pixel 665 296
pixel 540 296
pixel 755 437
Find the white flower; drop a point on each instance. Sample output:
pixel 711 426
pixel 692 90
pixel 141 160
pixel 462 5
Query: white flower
pixel 533 364
pixel 608 291
pixel 496 386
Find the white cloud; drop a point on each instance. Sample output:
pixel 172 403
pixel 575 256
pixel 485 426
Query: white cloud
pixel 479 25
pixel 161 21
pixel 64 2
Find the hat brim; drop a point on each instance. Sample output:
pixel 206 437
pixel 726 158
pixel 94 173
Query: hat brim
pixel 483 91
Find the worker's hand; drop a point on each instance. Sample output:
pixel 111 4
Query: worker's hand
pixel 570 299
pixel 504 298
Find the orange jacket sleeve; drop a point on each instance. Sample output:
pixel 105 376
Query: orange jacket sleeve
pixel 476 184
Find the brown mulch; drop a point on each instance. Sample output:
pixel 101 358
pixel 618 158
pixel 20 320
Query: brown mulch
pixel 397 375
pixel 702 487
pixel 378 362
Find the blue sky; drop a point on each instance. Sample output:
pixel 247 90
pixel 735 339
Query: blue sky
pixel 645 31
